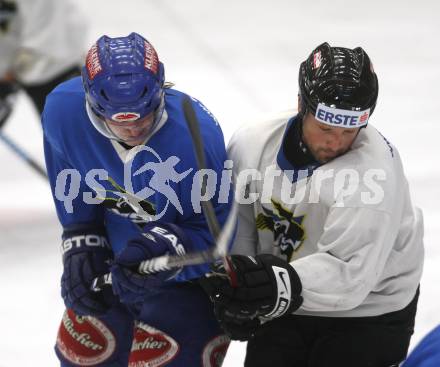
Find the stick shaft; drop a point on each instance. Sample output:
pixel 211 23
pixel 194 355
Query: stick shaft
pixel 23 155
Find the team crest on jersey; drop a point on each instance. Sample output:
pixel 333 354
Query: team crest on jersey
pixel 288 231
pixel 84 340
pixel 151 347
pixel 215 351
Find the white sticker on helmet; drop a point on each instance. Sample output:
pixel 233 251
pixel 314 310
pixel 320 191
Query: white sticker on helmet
pixel 341 118
pixel 317 60
pixel 125 116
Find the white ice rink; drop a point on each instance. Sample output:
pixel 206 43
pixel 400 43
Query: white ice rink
pixel 241 58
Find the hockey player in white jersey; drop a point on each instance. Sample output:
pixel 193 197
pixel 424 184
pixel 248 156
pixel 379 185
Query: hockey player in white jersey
pixel 42 44
pixel 329 250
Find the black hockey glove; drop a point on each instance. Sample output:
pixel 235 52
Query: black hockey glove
pixel 86 255
pixel 267 287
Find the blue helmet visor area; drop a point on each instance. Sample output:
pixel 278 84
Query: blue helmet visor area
pixel 113 94
pixel 100 124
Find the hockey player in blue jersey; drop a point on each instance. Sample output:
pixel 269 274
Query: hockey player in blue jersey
pixel 107 136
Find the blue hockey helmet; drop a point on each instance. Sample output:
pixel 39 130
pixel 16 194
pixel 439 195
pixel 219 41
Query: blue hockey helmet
pixel 123 81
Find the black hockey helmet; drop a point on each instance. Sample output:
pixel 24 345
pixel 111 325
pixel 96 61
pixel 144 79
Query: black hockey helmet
pixel 339 78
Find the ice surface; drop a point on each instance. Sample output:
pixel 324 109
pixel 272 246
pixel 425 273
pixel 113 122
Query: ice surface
pixel 241 59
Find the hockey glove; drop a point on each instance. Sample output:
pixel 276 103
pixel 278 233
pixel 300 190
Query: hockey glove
pixel 86 255
pixel 155 240
pixel 267 287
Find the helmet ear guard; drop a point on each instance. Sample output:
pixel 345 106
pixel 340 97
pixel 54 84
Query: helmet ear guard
pixel 341 79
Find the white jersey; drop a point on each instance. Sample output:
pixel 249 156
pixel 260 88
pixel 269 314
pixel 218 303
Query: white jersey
pixel 41 40
pixel 347 227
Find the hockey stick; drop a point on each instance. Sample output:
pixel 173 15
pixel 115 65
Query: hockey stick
pixel 5 112
pixel 221 237
pixel 207 207
pixel 23 155
pixel 167 262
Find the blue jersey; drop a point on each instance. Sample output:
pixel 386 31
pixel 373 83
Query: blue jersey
pixel 72 143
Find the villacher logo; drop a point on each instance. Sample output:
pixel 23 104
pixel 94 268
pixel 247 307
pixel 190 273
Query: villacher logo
pixel 84 340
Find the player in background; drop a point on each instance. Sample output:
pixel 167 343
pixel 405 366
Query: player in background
pixel 334 250
pixel 42 44
pixel 122 117
pixel 427 352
